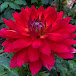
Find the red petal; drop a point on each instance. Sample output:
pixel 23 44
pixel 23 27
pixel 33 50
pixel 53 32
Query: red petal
pixel 2 34
pixel 22 57
pixel 67 29
pixel 18 18
pixel 24 13
pixel 58 36
pixel 35 66
pixel 21 43
pixel 40 10
pixel 9 49
pixel 45 49
pixel 21 29
pixel 60 48
pixel 59 15
pixel 13 62
pixel 72 50
pixel 33 13
pixel 65 55
pixel 10 34
pixel 36 43
pixel 49 67
pixel 7 42
pixel 8 23
pixel 68 42
pixel 51 18
pixel 48 61
pixel 33 54
pixel 27 9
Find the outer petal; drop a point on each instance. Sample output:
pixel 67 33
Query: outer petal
pixel 7 42
pixel 65 55
pixel 22 57
pixel 60 48
pixel 40 10
pixel 72 49
pixel 36 43
pixel 58 36
pixel 51 18
pixel 68 42
pixel 18 18
pixel 35 66
pixel 45 48
pixel 67 29
pixel 33 54
pixel 10 34
pixel 9 49
pixel 59 15
pixel 8 23
pixel 33 13
pixel 13 62
pixel 48 61
pixel 21 43
pixel 2 34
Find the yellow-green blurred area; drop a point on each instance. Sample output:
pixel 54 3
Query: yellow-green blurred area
pixel 62 67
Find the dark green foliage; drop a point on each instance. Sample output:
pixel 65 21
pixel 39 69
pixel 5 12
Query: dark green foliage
pixel 61 67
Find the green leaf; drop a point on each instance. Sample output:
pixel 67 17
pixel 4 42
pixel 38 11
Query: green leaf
pixel 45 1
pixel 8 13
pixel 3 6
pixel 1 20
pixel 33 1
pixel 5 62
pixel 0 2
pixel 43 74
pixel 1 69
pixel 2 26
pixel 50 1
pixel 20 2
pixel 14 6
pixel 14 73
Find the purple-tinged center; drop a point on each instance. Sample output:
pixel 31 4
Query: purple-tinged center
pixel 36 27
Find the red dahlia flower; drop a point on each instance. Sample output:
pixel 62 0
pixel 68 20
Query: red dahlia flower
pixel 35 35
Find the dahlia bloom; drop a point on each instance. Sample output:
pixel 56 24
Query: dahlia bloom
pixel 37 34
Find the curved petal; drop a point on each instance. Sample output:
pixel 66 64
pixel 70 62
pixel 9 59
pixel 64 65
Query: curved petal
pixel 72 49
pixel 10 34
pixel 7 42
pixel 59 47
pixel 18 18
pixel 9 49
pixel 36 43
pixel 48 61
pixel 33 13
pixel 22 43
pixel 40 10
pixel 65 55
pixel 13 62
pixel 59 15
pixel 35 66
pixel 22 57
pixel 33 54
pixel 45 48
pixel 51 18
pixel 58 36
pixel 68 42
pixel 8 23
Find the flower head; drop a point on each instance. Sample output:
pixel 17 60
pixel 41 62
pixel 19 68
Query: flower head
pixel 35 35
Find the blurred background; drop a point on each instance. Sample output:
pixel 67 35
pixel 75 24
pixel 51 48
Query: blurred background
pixel 62 67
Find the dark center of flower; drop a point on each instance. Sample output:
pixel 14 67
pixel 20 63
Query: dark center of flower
pixel 36 27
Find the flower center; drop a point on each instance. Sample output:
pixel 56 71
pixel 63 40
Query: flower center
pixel 36 27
